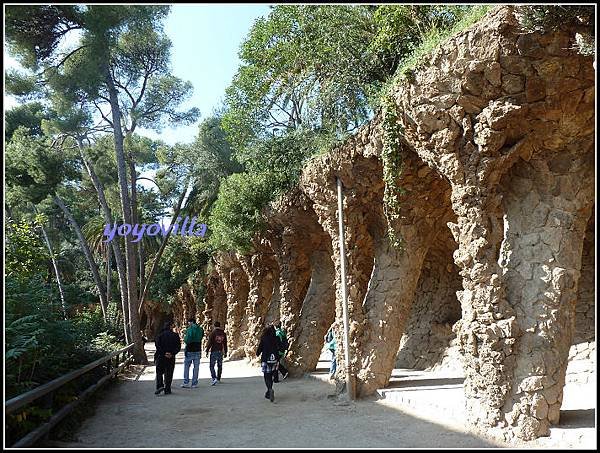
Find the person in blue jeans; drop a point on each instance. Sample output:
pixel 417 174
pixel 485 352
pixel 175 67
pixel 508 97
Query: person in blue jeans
pixel 217 347
pixel 193 346
pixel 330 343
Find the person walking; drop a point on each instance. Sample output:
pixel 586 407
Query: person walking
pixel 193 346
pixel 167 346
pixel 331 345
pixel 268 350
pixel 283 341
pixel 217 347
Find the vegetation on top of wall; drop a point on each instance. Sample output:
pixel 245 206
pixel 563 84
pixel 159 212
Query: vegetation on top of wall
pixel 434 37
pixel 310 76
pixel 542 18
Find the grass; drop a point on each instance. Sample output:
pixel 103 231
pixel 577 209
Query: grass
pixel 434 38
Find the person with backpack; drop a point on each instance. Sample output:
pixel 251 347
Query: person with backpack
pixel 217 347
pixel 331 345
pixel 193 346
pixel 268 350
pixel 282 336
pixel 167 346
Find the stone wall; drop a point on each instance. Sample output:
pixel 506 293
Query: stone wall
pixel 261 270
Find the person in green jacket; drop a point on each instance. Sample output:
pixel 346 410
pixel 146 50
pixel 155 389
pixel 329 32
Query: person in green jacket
pixel 283 345
pixel 193 345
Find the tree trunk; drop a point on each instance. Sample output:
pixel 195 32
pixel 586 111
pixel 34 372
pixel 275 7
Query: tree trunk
pixel 56 272
pixel 114 243
pixel 108 256
pixel 134 323
pixel 86 250
pixel 141 259
pixel 161 250
pixel 134 246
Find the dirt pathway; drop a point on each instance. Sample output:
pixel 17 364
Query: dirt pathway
pixel 235 413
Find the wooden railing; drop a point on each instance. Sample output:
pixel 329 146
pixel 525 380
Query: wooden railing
pixel 18 402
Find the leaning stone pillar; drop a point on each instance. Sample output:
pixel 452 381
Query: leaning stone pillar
pixel 235 283
pixel 294 277
pixel 316 316
pixel 547 203
pixel 215 303
pixel 260 269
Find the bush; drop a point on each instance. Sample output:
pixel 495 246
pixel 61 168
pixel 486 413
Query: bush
pixel 544 18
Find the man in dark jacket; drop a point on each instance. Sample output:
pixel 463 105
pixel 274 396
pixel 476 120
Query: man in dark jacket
pixel 217 347
pixel 168 345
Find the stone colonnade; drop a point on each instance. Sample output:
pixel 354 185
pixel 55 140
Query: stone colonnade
pixel 497 170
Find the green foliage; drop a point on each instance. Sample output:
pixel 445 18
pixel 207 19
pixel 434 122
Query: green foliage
pixel 37 39
pixel 273 166
pixel 25 254
pixel 183 256
pixel 40 345
pixel 236 214
pixel 28 115
pixel 432 38
pixel 34 168
pixel 303 66
pixel 22 85
pixel 544 18
pixel 392 167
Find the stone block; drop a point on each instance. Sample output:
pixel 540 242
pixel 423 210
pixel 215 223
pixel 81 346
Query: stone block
pixel 512 84
pixel 539 407
pixel 535 89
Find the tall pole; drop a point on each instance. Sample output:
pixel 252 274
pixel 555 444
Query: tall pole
pixel 349 380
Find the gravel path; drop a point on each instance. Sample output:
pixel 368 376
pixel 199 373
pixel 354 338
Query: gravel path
pixel 234 413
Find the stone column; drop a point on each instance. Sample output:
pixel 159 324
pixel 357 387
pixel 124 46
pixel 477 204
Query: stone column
pixel 215 303
pixel 260 269
pixel 235 283
pixel 547 204
pixel 316 316
pixel 294 277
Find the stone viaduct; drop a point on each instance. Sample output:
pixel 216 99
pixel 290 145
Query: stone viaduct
pixel 496 219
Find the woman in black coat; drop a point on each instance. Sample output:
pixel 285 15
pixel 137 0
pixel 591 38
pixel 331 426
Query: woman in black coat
pixel 268 349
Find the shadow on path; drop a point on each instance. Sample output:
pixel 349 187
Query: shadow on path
pixel 234 412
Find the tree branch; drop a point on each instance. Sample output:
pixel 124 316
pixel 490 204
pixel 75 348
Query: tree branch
pixel 104 116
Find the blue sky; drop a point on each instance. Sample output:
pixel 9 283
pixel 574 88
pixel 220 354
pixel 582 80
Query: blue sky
pixel 206 40
pixel 205 44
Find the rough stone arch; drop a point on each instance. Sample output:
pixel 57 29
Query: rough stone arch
pixel 490 98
